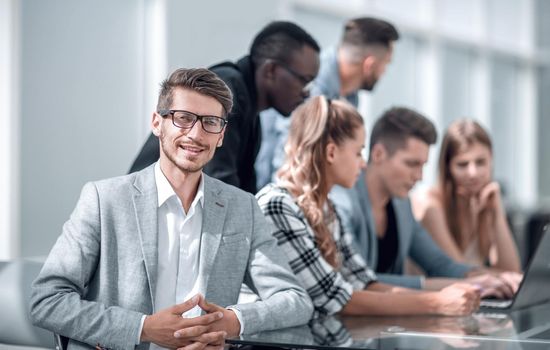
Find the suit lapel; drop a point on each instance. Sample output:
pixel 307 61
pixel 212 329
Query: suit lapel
pixel 212 227
pixel 145 205
pixel 403 235
pixel 372 238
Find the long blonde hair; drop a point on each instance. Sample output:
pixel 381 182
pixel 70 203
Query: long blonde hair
pixel 314 124
pixel 460 135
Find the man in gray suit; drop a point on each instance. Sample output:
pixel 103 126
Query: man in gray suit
pixel 142 250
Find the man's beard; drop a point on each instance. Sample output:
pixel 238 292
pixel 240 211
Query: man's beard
pixel 369 84
pixel 172 157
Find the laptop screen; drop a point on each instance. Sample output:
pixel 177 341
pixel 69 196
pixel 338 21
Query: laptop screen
pixel 535 286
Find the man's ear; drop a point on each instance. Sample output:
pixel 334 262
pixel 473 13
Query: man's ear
pixel 267 69
pixel 331 152
pixel 156 121
pixel 220 140
pixel 378 153
pixel 369 65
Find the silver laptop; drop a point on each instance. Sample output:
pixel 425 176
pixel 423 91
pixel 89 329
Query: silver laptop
pixel 535 286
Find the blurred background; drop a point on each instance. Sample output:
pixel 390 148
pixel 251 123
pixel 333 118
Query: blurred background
pixel 79 81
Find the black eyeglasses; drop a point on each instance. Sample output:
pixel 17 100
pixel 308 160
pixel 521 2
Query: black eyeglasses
pixel 186 120
pixel 303 79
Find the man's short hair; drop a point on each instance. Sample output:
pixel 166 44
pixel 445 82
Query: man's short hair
pixel 200 80
pixel 278 41
pixel 365 31
pixel 398 124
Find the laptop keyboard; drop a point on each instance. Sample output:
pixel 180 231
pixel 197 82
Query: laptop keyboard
pixel 496 303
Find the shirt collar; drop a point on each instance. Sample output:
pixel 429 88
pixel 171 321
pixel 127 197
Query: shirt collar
pixel 165 190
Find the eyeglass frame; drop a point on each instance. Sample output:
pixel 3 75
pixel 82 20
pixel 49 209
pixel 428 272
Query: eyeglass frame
pixel 305 81
pixel 165 112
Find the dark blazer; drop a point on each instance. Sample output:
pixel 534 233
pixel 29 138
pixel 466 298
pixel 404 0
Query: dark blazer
pixel 233 162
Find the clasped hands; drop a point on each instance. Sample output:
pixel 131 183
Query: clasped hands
pixel 167 328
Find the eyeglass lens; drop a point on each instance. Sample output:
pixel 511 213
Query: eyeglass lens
pixel 186 120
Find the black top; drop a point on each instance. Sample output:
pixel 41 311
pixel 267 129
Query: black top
pixel 387 244
pixel 233 162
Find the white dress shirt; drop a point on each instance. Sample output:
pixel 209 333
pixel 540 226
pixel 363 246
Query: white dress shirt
pixel 178 246
pixel 179 236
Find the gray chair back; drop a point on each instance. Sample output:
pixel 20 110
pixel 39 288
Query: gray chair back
pixel 16 328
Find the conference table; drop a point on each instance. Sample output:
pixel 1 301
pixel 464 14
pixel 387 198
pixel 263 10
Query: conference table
pixel 522 329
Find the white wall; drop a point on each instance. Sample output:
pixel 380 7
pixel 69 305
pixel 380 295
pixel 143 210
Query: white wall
pixel 9 130
pixel 543 39
pixel 201 33
pixel 81 92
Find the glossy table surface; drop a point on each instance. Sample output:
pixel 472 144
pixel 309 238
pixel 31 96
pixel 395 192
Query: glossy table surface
pixel 523 329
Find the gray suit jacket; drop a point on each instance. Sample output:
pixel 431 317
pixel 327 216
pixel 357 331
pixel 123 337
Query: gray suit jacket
pixel 354 207
pixel 101 274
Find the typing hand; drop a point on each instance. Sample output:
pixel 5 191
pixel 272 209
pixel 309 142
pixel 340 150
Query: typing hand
pixel 493 286
pixel 169 329
pixel 512 279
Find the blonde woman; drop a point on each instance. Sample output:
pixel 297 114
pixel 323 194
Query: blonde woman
pixel 324 149
pixel 464 211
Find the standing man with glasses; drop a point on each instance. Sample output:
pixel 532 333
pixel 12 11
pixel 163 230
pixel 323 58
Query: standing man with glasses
pixel 142 250
pixel 283 60
pixel 357 63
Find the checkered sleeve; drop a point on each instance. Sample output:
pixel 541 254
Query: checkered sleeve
pixel 354 267
pixel 327 288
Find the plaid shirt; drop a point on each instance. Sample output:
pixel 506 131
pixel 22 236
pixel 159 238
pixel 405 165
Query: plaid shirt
pixel 328 288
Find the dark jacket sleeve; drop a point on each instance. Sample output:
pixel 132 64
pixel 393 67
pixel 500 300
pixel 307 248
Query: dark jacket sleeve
pixel 427 254
pixel 224 165
pixel 149 154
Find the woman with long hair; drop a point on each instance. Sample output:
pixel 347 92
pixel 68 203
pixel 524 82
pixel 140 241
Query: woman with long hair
pixel 324 149
pixel 464 212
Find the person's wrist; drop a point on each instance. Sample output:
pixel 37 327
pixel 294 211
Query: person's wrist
pixel 145 337
pixel 234 324
pixel 500 209
pixel 432 302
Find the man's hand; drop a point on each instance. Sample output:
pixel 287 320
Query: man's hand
pixel 511 278
pixel 169 329
pixel 458 299
pixel 501 286
pixel 228 323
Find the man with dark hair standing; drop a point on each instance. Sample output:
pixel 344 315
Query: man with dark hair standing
pixel 283 59
pixel 378 212
pixel 359 61
pixel 142 250
pixel 356 64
